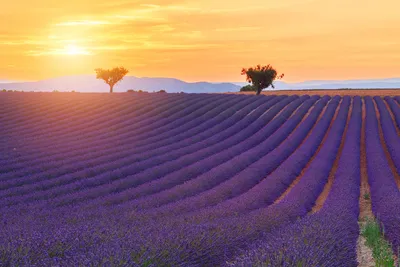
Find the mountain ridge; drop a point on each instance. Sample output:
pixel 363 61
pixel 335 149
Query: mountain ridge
pixel 88 83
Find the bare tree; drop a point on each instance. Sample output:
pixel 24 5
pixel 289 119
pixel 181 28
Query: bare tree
pixel 111 77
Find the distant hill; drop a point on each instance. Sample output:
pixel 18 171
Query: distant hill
pixel 88 83
pixel 337 84
pixel 6 81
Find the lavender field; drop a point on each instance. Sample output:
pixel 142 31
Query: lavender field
pixel 136 179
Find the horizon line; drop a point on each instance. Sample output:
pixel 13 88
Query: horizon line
pixel 5 81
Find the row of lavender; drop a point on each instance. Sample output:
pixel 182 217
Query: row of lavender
pixel 72 148
pixel 136 119
pixel 300 135
pixel 43 247
pixel 159 165
pixel 385 193
pixel 329 237
pixel 22 219
pixel 214 213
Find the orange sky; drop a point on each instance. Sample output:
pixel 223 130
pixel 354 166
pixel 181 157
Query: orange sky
pixel 200 40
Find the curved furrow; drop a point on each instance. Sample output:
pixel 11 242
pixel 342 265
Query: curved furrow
pixel 37 142
pixel 18 123
pixel 124 152
pixel 34 152
pixel 143 120
pixel 331 178
pixel 46 130
pixel 223 238
pixel 211 163
pixel 395 109
pixel 69 176
pixel 158 168
pixel 397 98
pixel 330 234
pixel 77 126
pixel 31 116
pixel 272 185
pixel 30 171
pixel 196 197
pixel 385 194
pixel 258 171
pixel 28 108
pixel 219 183
pixel 392 139
pixel 124 138
pixel 189 166
pixel 29 111
pixel 74 131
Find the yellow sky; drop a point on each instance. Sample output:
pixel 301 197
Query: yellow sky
pixel 200 40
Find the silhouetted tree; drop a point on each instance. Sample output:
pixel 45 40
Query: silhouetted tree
pixel 261 77
pixel 162 91
pixel 111 77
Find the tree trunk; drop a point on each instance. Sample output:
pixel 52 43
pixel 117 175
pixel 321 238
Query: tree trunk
pixel 258 91
pixel 111 88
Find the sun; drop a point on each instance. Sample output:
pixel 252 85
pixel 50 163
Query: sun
pixel 72 49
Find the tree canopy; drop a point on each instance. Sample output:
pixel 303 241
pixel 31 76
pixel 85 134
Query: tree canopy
pixel 111 77
pixel 261 77
pixel 248 88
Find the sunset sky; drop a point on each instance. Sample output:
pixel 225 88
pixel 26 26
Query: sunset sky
pixel 208 40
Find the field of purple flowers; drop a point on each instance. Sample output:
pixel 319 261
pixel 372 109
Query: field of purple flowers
pixel 139 179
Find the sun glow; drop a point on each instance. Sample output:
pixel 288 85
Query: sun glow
pixel 72 49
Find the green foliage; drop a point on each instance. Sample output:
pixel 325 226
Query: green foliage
pixel 58 250
pixel 366 196
pixel 111 77
pixel 381 249
pixel 248 88
pixel 4 90
pixel 261 77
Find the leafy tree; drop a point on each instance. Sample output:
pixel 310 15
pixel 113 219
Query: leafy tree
pixel 162 91
pixel 111 77
pixel 261 77
pixel 248 88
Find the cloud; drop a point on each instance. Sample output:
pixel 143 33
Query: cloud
pixel 222 35
pixel 237 29
pixel 83 23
